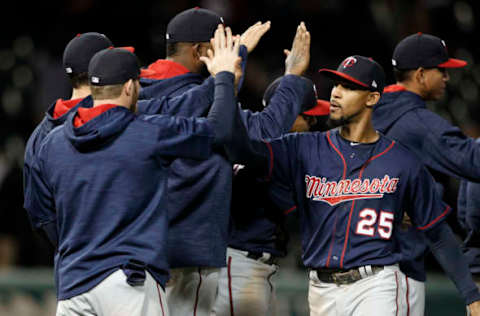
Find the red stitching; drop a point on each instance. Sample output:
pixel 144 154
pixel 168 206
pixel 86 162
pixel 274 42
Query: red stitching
pixel 160 299
pixel 198 290
pixel 436 219
pixel 230 284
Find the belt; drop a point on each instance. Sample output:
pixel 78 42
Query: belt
pixel 263 257
pixel 339 276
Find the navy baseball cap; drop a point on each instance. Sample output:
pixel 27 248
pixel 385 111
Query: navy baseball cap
pixel 113 66
pixel 364 72
pixel 423 50
pixel 193 25
pixel 80 50
pixel 311 105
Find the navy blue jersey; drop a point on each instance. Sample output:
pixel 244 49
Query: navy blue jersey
pixel 440 146
pixel 352 197
pixel 106 183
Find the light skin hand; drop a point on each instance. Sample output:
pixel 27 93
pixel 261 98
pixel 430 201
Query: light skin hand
pixel 253 34
pixel 474 308
pixel 298 58
pixel 224 56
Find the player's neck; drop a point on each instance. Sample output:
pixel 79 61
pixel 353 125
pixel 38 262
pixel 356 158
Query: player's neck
pixel 81 92
pixel 412 87
pixel 360 131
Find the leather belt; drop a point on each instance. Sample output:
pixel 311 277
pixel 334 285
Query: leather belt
pixel 339 276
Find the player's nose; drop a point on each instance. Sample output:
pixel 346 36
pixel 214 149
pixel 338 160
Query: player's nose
pixel 336 91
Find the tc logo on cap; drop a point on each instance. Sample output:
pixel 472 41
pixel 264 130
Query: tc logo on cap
pixel 349 62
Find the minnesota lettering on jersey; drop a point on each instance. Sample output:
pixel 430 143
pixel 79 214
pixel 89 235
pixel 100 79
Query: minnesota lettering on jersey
pixel 335 192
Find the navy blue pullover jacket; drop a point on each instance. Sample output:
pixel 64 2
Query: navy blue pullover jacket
pixel 106 182
pixel 403 116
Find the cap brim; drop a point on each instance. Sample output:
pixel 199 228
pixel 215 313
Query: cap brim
pixel 322 108
pixel 333 74
pixel 453 63
pixel 131 49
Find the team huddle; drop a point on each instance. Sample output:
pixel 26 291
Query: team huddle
pixel 139 180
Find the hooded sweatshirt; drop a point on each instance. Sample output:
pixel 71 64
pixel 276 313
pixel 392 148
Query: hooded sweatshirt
pixel 104 173
pixel 55 116
pixel 402 115
pixel 200 192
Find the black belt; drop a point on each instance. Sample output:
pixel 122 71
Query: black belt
pixel 263 257
pixel 340 276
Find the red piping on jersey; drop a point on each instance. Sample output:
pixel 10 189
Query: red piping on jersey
pixel 270 169
pixel 340 154
pixel 86 114
pixel 394 88
pixel 293 208
pixel 343 177
pixel 198 290
pixel 63 106
pixel 229 271
pixel 163 69
pixel 447 209
pixel 160 299
pixel 353 202
pixel 408 300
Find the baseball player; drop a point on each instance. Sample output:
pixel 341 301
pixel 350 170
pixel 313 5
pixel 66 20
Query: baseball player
pixel 76 57
pixel 200 192
pixel 104 173
pixel 258 234
pixel 352 186
pixel 420 62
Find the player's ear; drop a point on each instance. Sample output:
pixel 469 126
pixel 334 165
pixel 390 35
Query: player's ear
pixel 419 75
pixel 372 99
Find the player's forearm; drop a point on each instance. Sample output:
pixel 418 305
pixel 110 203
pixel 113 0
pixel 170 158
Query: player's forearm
pixel 447 252
pixel 222 113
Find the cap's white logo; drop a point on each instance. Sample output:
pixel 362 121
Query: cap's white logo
pixel 315 91
pixel 221 19
pixel 349 62
pixel 167 36
pixel 443 43
pixel 95 79
pixel 69 70
pixel 394 62
pixel 374 84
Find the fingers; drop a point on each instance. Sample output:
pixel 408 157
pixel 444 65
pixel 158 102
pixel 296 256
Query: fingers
pixel 229 39
pixel 286 52
pixel 216 37
pixel 236 44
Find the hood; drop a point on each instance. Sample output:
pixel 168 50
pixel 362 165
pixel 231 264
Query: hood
pixel 394 103
pixel 89 129
pixel 164 77
pixel 58 112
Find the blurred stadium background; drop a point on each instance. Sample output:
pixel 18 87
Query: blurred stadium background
pixel 32 78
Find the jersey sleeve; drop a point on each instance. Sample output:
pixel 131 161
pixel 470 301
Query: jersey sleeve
pixel 280 114
pixel 284 153
pixel 283 197
pixel 462 205
pixel 426 207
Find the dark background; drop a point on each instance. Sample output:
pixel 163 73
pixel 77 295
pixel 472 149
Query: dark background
pixel 31 75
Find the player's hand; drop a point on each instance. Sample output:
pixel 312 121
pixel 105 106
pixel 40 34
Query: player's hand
pixel 474 308
pixel 298 58
pixel 253 34
pixel 224 56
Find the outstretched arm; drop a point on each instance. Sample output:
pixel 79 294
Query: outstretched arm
pixel 446 250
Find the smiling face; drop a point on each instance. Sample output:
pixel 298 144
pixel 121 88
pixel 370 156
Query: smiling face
pixel 347 103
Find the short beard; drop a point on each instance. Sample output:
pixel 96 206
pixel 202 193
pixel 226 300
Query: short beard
pixel 344 120
pixel 332 123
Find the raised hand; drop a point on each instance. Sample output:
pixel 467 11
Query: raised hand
pixel 224 56
pixel 298 58
pixel 253 34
